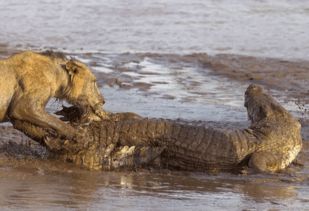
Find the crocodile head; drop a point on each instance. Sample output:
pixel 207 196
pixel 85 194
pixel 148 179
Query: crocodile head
pixel 261 105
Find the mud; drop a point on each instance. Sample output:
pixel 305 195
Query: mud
pixel 289 76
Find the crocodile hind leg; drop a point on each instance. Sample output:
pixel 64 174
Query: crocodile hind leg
pixel 272 161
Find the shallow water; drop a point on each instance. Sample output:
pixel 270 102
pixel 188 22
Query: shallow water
pixel 171 86
pixel 255 27
pixel 166 85
pixel 55 186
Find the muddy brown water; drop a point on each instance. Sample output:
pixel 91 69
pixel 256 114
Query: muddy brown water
pixel 157 58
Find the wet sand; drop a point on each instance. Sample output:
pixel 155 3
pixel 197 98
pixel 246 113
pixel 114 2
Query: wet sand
pixel 290 76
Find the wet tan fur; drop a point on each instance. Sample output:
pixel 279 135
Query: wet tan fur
pixel 29 80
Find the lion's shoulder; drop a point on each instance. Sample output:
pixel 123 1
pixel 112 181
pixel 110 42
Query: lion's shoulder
pixel 25 56
pixel 47 56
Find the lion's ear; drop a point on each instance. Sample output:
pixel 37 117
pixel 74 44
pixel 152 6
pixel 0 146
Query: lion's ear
pixel 71 67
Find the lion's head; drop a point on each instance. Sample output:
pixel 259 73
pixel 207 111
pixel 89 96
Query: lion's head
pixel 82 89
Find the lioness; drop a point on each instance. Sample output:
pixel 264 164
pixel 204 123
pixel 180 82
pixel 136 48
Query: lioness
pixel 29 80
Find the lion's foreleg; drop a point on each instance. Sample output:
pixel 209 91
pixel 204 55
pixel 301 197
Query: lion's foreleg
pixel 48 122
pixel 36 133
pixel 35 114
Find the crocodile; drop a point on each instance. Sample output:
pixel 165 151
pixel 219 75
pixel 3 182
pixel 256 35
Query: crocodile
pixel 125 140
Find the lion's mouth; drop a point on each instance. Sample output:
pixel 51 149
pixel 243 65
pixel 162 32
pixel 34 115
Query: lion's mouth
pixel 94 113
pixel 99 111
pixel 83 114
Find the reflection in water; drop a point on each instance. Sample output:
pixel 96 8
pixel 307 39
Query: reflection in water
pixel 260 190
pixel 54 185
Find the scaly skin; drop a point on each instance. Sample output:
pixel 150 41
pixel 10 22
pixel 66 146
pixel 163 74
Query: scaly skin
pixel 270 144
